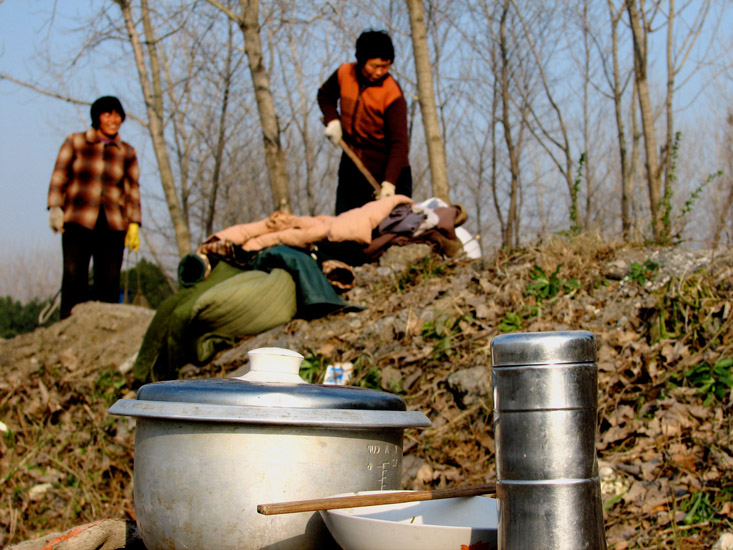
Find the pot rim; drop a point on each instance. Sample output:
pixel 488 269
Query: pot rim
pixel 289 416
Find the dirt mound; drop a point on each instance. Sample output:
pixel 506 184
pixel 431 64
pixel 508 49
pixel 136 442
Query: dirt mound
pixel 663 323
pixel 96 336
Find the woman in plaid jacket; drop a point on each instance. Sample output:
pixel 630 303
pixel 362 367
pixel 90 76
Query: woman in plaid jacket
pixel 94 201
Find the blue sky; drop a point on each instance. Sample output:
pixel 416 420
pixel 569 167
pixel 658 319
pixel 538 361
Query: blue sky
pixel 32 128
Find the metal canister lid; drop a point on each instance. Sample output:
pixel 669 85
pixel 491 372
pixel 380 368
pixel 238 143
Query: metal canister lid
pixel 543 348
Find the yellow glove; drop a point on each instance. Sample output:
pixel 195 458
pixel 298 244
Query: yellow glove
pixel 132 239
pixel 386 190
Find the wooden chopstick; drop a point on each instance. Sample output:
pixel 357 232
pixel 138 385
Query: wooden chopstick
pixel 354 501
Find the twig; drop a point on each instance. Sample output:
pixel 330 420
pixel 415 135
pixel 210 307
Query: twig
pixel 455 420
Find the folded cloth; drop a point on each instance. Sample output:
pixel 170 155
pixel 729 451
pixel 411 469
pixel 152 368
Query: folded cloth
pixel 248 303
pixel 315 295
pixel 166 347
pixel 402 220
pixel 442 237
pixel 300 231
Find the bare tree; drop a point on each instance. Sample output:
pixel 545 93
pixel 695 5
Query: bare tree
pixel 508 233
pixel 34 272
pixel 227 74
pixel 617 84
pixel 248 22
pixel 426 95
pixel 551 133
pixel 661 192
pixel 503 99
pixel 723 218
pixel 153 94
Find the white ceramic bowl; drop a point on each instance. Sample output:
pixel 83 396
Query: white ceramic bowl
pixel 465 523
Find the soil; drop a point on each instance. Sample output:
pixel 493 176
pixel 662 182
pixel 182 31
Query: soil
pixel 661 319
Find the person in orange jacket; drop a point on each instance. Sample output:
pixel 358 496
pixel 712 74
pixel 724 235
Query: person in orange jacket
pixel 364 105
pixel 94 201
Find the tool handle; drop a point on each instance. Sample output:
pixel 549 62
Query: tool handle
pixel 356 501
pixel 360 165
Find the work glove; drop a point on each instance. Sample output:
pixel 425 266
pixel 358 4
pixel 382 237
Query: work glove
pixel 333 131
pixel 386 190
pixel 132 239
pixel 56 219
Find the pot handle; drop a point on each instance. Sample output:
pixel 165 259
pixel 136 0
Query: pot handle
pixel 274 365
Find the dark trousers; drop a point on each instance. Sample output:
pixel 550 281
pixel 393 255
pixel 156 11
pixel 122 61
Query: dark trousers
pixel 79 246
pixel 354 190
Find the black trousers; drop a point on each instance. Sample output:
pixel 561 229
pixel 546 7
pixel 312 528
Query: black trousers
pixel 354 190
pixel 79 246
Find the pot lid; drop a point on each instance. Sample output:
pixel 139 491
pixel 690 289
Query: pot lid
pixel 241 393
pixel 543 348
pixel 273 393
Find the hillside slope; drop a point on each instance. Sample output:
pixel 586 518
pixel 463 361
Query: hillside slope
pixel 663 324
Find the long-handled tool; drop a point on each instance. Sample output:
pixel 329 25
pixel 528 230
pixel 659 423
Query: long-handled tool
pixel 388 497
pixel 360 165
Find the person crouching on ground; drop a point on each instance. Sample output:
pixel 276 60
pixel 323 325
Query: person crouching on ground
pixel 94 202
pixel 372 121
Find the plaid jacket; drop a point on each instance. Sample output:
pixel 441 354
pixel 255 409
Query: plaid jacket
pixel 90 174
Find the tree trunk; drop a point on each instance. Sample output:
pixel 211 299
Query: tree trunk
pixel 723 217
pixel 426 93
pixel 154 105
pixel 562 142
pixel 647 120
pixel 586 120
pixel 494 160
pixel 221 139
pixel 671 144
pixel 626 179
pixel 274 156
pixel 302 110
pixel 507 236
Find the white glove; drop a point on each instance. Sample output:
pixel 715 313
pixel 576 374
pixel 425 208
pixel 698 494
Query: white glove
pixel 333 131
pixel 386 190
pixel 56 219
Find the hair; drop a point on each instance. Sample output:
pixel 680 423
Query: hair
pixel 373 44
pixel 105 104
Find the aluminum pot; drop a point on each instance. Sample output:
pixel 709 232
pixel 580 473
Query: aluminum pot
pixel 207 452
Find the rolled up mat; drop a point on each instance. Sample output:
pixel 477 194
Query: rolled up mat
pixel 192 269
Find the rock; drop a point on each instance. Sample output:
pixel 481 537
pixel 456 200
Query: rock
pixel 725 542
pixel 399 258
pixel 617 270
pixel 469 386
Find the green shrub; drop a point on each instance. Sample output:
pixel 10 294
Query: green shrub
pixel 153 284
pixel 641 273
pixel 713 381
pixel 546 287
pixel 17 318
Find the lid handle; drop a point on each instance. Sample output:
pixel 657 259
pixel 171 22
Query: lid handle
pixel 274 365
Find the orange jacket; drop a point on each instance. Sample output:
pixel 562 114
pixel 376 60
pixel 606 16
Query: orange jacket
pixel 373 117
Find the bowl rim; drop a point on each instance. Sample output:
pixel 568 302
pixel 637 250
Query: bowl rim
pixel 345 512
